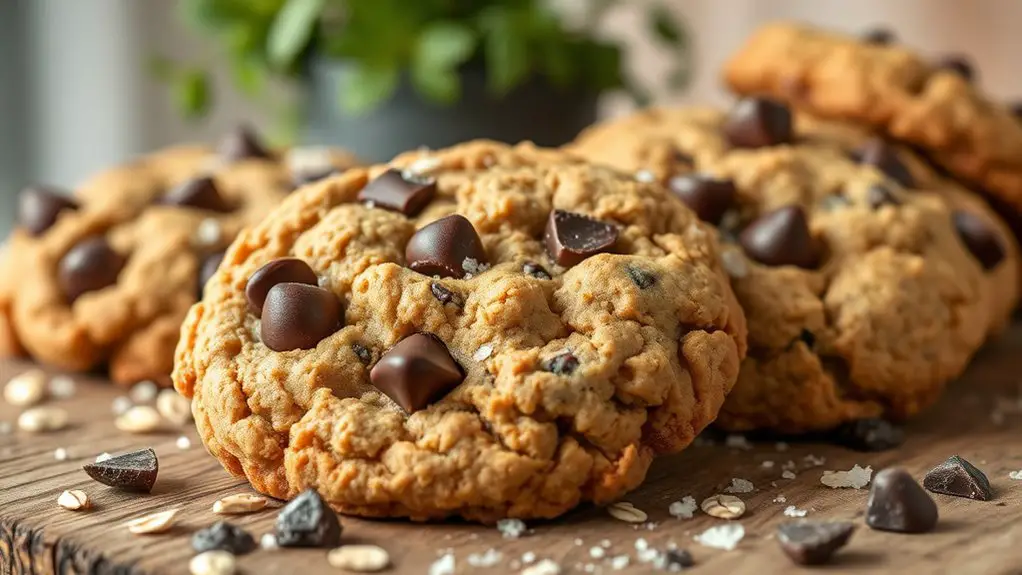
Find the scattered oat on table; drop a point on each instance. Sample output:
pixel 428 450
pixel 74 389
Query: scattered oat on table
pixel 143 392
pixel 42 419
pixel 213 563
pixel 723 506
pixel 62 387
pixel 74 500
pixel 239 503
pixel 26 389
pixel 624 511
pixel 139 419
pixel 359 558
pixel 152 524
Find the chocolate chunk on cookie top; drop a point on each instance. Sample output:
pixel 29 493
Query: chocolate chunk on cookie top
pixel 526 337
pixel 758 122
pixel 243 143
pixel 200 193
pixel 781 238
pixel 39 207
pixel 89 266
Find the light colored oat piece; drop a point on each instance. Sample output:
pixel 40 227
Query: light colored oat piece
pixel 42 419
pixel 624 511
pixel 152 524
pixel 239 504
pixel 723 506
pixel 139 419
pixel 544 567
pixel 74 500
pixel 26 389
pixel 174 407
pixel 213 563
pixel 359 558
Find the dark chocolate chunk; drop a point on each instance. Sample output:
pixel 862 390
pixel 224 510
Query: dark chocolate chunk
pixel 392 191
pixel 222 536
pixel 307 521
pixel 781 238
pixel 562 364
pixel 39 206
pixel 870 434
pixel 758 122
pixel 980 238
pixel 880 195
pixel 678 559
pixel 535 270
pixel 880 154
pixel 448 247
pixel 134 471
pixel 363 353
pixel 299 316
pixel 445 296
pixel 283 270
pixel 957 476
pixel 88 266
pixel 813 542
pixel 707 196
pixel 416 372
pixel 208 269
pixel 959 64
pixel 641 277
pixel 897 503
pixel 879 36
pixel 242 144
pixel 571 238
pixel 200 193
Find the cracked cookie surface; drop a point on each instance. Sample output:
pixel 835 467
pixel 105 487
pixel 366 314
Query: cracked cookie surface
pixel 893 90
pixel 500 385
pixel 108 278
pixel 861 297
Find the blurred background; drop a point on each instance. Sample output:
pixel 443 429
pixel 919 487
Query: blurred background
pixel 78 92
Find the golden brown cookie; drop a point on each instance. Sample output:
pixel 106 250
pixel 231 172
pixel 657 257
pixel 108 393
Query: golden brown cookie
pixel 108 277
pixel 862 297
pixel 931 105
pixel 484 331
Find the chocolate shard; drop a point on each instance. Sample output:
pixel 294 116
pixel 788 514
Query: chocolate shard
pixel 813 542
pixel 960 478
pixel 307 521
pixel 134 471
pixel 223 536
pixel 898 503
pixel 871 434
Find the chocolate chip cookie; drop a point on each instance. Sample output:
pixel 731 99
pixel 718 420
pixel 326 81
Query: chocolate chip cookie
pixel 106 277
pixel 933 105
pixel 484 331
pixel 864 295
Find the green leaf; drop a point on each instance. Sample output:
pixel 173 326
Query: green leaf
pixel 507 53
pixel 665 26
pixel 365 88
pixel 444 46
pixel 291 31
pixel 248 75
pixel 191 93
pixel 441 86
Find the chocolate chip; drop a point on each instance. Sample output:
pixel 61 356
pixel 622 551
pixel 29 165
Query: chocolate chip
pixel 981 240
pixel 448 247
pixel 957 476
pixel 808 338
pixel 781 238
pixel 571 238
pixel 879 36
pixel 707 196
pixel 878 153
pixel 813 542
pixel 880 195
pixel 392 191
pixel 363 353
pixel 222 536
pixel 299 316
pixel 562 364
pixel 283 270
pixel 200 193
pixel 88 266
pixel 134 471
pixel 305 177
pixel 39 206
pixel 445 296
pixel 641 278
pixel 416 372
pixel 958 64
pixel 242 144
pixel 535 270
pixel 758 122
pixel 678 559
pixel 870 434
pixel 897 503
pixel 208 269
pixel 307 521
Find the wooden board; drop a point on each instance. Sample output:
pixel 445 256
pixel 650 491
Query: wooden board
pixel 973 537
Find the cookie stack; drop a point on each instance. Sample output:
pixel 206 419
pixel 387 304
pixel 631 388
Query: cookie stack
pixel 105 277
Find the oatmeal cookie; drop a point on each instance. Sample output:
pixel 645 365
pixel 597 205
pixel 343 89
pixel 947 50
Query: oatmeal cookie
pixel 863 297
pixel 484 331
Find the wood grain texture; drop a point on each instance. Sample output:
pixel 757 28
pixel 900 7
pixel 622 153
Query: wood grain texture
pixel 37 537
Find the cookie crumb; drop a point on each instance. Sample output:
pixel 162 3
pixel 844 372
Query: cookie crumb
pixel 239 504
pixel 813 461
pixel 855 478
pixel 359 558
pixel 683 509
pixel 767 464
pixel 60 454
pixel 724 536
pixel 138 419
pixel 739 485
pixel 792 511
pixel 788 474
pixel 152 524
pixel 488 559
pixel 26 389
pixel 212 563
pixel 183 443
pixel 511 528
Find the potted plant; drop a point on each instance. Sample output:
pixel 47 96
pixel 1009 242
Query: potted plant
pixel 385 76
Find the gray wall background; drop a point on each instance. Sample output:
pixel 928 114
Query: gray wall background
pixel 75 94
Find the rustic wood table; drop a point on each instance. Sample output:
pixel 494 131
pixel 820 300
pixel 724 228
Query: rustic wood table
pixel 980 419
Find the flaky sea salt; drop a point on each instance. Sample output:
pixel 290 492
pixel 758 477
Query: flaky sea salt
pixel 183 443
pixel 597 552
pixel 724 536
pixel 511 528
pixel 528 558
pixel 483 352
pixel 855 478
pixel 736 441
pixel 144 392
pixel 208 233
pixel 268 541
pixel 62 387
pixel 813 461
pixel 792 511
pixel 473 266
pixel 683 509
pixel 60 454
pixel 103 457
pixel 488 559
pixel 780 499
pixel 443 566
pixel 739 485
pixel 645 176
pixel 620 562
pixel 1017 475
pixel 120 405
pixel 788 474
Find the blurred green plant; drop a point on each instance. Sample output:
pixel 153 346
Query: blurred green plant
pixel 429 40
